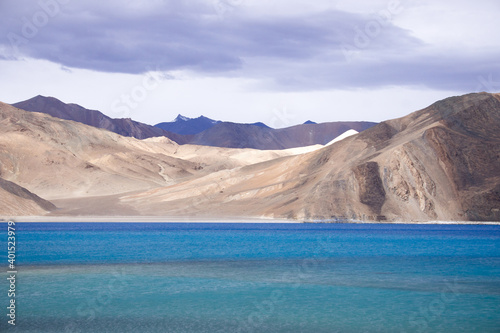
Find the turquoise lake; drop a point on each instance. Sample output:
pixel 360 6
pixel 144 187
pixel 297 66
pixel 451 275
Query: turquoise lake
pixel 224 277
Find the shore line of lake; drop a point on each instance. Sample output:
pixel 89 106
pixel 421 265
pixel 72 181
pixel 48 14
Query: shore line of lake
pixel 176 219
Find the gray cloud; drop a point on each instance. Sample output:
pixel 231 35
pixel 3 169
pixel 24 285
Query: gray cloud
pixel 332 49
pixel 452 74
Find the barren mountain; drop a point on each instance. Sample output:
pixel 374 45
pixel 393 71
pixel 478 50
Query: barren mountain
pixel 440 163
pixel 232 135
pixel 61 159
pixel 122 126
pixel 188 126
pixel 199 131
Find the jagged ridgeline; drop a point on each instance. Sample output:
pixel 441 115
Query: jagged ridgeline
pixel 199 131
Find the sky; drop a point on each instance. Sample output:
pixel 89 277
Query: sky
pixel 280 62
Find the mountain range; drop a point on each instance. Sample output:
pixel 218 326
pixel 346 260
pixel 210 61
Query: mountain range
pixel 201 130
pixel 438 163
pixel 188 126
pixel 123 126
pixel 191 126
pixel 60 159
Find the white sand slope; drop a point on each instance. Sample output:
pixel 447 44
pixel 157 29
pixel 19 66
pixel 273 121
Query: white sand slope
pixel 308 149
pixel 343 136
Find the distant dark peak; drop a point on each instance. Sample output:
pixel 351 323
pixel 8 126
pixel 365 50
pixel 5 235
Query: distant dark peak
pixel 41 96
pixel 202 117
pixel 180 117
pixel 260 124
pixel 309 122
pixel 50 98
pixel 188 126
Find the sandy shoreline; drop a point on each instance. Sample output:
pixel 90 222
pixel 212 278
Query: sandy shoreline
pixel 142 219
pixel 173 219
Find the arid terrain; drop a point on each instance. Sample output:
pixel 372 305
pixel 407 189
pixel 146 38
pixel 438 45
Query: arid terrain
pixel 439 163
pixel 212 133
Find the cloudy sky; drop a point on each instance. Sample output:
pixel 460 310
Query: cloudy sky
pixel 277 61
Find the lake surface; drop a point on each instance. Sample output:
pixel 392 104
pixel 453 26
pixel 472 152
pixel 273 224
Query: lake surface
pixel 189 277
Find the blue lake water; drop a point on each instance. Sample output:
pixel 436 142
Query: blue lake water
pixel 131 277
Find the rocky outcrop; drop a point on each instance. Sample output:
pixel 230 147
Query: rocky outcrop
pixel 442 162
pixel 407 179
pixel 371 189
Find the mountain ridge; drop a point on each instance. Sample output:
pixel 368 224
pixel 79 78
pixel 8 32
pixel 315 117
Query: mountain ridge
pixel 208 132
pixel 438 163
pixel 75 112
pixel 58 159
pixel 188 126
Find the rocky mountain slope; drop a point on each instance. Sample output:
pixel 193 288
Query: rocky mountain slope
pixel 16 200
pixel 61 159
pixel 440 163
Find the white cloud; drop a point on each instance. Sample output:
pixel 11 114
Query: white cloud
pixel 459 24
